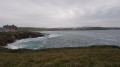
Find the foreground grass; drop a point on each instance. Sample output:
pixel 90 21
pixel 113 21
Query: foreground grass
pixel 93 56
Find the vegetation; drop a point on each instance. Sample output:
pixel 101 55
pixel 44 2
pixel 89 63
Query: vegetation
pixel 10 34
pixel 33 29
pixel 6 34
pixel 93 56
pixel 10 37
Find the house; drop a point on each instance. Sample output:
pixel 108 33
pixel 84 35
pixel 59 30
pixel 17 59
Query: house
pixel 9 28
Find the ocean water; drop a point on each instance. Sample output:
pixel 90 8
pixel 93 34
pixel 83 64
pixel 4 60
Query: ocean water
pixel 58 39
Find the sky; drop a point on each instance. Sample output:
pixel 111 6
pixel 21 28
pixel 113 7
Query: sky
pixel 60 13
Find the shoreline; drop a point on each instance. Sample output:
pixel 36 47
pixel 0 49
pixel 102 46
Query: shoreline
pixel 80 47
pixel 11 37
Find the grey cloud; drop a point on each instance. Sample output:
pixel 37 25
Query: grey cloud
pixel 60 13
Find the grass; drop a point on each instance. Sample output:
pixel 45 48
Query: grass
pixel 5 34
pixel 9 34
pixel 93 56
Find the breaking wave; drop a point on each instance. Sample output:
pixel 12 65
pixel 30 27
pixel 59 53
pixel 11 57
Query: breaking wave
pixel 58 39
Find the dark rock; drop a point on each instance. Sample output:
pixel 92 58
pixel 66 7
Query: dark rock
pixel 6 40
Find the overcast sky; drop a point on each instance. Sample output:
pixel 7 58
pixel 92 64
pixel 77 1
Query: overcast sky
pixel 60 13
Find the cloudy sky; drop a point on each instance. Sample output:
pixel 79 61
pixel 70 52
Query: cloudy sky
pixel 60 13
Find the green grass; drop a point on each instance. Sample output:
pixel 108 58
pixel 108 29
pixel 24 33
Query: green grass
pixel 93 56
pixel 5 34
pixel 9 34
pixel 33 29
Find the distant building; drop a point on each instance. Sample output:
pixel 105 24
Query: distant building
pixel 9 28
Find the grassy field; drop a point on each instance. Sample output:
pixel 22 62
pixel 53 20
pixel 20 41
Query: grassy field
pixel 93 56
pixel 9 34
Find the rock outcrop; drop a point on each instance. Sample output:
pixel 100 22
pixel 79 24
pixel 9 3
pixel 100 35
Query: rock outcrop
pixel 4 40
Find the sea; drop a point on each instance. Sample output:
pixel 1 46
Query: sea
pixel 59 39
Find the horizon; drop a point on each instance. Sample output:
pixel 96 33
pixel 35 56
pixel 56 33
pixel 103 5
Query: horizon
pixel 65 27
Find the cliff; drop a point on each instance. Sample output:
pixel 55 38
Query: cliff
pixel 10 37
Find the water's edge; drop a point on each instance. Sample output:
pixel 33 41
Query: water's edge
pixel 59 39
pixel 4 41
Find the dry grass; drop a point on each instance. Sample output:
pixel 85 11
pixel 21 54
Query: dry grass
pixel 94 56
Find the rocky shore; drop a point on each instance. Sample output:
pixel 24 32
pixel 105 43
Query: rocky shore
pixel 4 40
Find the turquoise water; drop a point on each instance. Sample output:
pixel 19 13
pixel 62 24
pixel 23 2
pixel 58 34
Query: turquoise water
pixel 58 39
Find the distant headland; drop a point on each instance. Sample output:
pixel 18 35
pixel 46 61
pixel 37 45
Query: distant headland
pixel 10 33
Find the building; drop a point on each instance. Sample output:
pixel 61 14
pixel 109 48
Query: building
pixel 9 28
